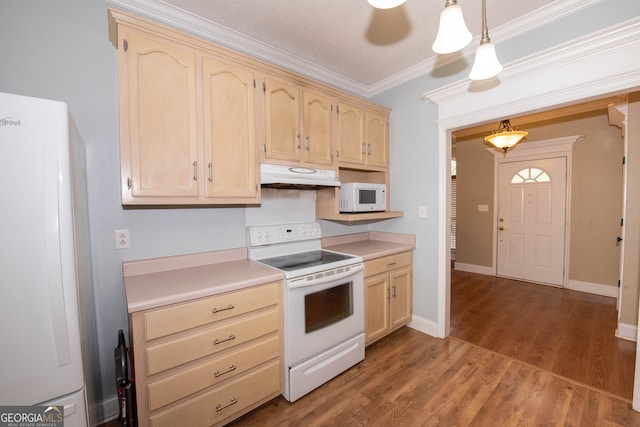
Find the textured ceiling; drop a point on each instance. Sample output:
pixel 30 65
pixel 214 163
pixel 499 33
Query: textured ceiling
pixel 349 37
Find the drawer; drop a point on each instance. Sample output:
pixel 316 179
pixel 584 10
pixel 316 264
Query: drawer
pixel 387 263
pixel 207 374
pixel 216 338
pixel 222 402
pixel 180 317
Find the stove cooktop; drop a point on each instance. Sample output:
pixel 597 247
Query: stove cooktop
pixel 305 260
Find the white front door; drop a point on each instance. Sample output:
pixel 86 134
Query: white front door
pixel 531 220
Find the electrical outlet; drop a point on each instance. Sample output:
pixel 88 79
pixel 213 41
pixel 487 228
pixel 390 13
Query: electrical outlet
pixel 123 239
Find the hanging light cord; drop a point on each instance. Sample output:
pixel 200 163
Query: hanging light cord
pixel 485 29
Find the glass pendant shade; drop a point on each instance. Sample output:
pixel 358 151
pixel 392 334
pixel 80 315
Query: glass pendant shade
pixel 506 136
pixel 385 4
pixel 486 64
pixel 453 33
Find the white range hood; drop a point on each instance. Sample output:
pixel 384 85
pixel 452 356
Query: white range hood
pixel 281 176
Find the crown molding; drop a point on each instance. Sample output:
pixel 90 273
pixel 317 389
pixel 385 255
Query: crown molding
pixel 167 14
pixel 525 23
pixel 565 72
pixel 180 19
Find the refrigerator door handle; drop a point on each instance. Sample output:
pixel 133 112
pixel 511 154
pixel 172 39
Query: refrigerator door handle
pixel 54 259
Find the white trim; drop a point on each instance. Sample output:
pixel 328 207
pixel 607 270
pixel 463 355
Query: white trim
pixel 556 76
pixel 167 14
pixel 423 325
pixel 531 150
pixel 105 411
pixel 592 288
pixel 627 332
pixel 472 268
pixel 523 24
pixel 565 74
pixel 171 15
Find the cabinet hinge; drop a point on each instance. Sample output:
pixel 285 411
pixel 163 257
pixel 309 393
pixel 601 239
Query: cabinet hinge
pixel 125 45
pixel 254 83
pixel 264 86
pixel 621 222
pixel 624 160
pixel 618 282
pixel 264 148
pixel 129 183
pixel 338 109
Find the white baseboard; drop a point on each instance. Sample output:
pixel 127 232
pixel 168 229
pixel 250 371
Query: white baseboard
pixel 424 325
pixel 576 285
pixel 471 268
pixel 106 410
pixel 627 332
pixel 592 288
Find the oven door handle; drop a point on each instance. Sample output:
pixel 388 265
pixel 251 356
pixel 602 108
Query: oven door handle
pixel 324 276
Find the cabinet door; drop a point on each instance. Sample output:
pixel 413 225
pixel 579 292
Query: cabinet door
pixel 158 119
pixel 376 307
pixel 318 129
pixel 401 296
pixel 282 126
pixel 229 167
pixel 377 145
pixel 351 137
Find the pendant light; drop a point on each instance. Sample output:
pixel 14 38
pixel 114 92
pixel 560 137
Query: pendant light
pixel 486 64
pixel 453 33
pixel 385 4
pixel 506 136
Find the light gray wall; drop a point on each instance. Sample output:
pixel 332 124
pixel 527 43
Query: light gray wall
pixel 60 50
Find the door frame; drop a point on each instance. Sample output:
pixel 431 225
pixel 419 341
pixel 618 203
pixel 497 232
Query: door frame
pixel 536 150
pixel 561 75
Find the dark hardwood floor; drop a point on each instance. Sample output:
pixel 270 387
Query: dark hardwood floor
pixel 522 332
pixel 568 333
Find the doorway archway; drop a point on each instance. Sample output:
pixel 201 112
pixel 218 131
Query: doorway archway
pixel 555 77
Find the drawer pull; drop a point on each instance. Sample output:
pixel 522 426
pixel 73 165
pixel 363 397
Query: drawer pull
pixel 226 371
pixel 215 310
pixel 391 264
pixel 233 401
pixel 229 338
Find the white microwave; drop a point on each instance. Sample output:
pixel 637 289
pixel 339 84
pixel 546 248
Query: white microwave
pixel 363 197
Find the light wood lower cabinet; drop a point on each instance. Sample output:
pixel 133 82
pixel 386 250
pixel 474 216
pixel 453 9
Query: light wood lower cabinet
pixel 388 299
pixel 206 362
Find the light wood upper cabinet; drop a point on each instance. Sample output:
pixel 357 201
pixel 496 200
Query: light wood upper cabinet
pixel 351 136
pixel 158 110
pixel 377 139
pixel 283 134
pixel 187 123
pixel 318 116
pixel 228 94
pixel 299 125
pixel 363 137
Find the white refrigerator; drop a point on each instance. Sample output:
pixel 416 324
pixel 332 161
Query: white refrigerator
pixel 45 267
